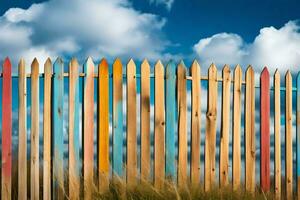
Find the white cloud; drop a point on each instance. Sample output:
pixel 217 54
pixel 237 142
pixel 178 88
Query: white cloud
pixel 275 48
pixel 167 3
pixel 97 29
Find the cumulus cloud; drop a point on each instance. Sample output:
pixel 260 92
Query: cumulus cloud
pixel 275 48
pixel 97 29
pixel 167 3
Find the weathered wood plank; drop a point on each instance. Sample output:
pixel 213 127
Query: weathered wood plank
pixel 288 137
pixel 277 135
pixel 170 120
pixel 47 131
pixel 250 131
pixel 103 123
pixel 74 121
pixel 22 146
pixel 182 126
pixel 88 128
pixel 117 161
pixel 131 125
pixel 211 128
pixel 6 130
pixel 34 192
pixel 265 130
pixel 159 129
pixel 196 123
pixel 236 151
pixel 224 141
pixel 145 121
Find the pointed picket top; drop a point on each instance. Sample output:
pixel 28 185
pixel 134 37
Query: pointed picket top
pixel 288 74
pixel 7 62
pixel 22 62
pixel 181 64
pixel 48 66
pixel 88 66
pixel 226 69
pixel 158 66
pixel 265 72
pixel 145 64
pixel 35 66
pixel 195 64
pixel 170 68
pixel 181 68
pixel 74 62
pixel 103 62
pixel 103 68
pixel 117 62
pixel 212 72
pixel 21 66
pixel 249 69
pixel 131 65
pixel 58 66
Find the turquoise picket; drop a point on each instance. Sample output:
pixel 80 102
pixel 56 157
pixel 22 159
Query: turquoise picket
pixel 57 116
pixel 298 128
pixel 170 119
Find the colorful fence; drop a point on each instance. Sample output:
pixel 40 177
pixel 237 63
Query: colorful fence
pixel 170 87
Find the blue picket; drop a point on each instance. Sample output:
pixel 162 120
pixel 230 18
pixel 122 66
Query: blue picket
pixel 170 119
pixel 57 116
pixel 298 127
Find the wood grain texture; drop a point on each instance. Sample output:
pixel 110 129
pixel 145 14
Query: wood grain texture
pixel 34 158
pixel 224 140
pixel 277 135
pixel 22 146
pixel 131 125
pixel 117 161
pixel 6 130
pixel 159 126
pixel 298 135
pixel 250 131
pixel 58 129
pixel 171 124
pixel 145 121
pixel 74 135
pixel 211 129
pixel 103 123
pixel 236 126
pixel 265 130
pixel 182 125
pixel 47 131
pixel 196 124
pixel 88 128
pixel 288 137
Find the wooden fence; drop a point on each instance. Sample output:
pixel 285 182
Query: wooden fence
pixel 170 83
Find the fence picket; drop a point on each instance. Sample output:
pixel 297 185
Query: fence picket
pixel 236 125
pixel 182 129
pixel 117 163
pixel 211 128
pixel 34 130
pixel 74 146
pixel 58 139
pixel 250 131
pixel 298 135
pixel 277 135
pixel 288 137
pixel 145 121
pixel 265 130
pixel 159 129
pixel 6 130
pixel 196 123
pixel 47 130
pixel 170 120
pixel 22 146
pixel 103 123
pixel 224 141
pixel 88 128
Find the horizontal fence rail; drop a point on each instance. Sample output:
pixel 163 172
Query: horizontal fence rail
pixel 128 148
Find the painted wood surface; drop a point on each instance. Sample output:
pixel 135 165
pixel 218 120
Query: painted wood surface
pixel 250 131
pixel 6 130
pixel 131 125
pixel 196 124
pixel 288 137
pixel 58 129
pixel 170 120
pixel 298 135
pixel 159 126
pixel 103 123
pixel 265 130
pixel 88 128
pixel 211 129
pixel 47 130
pixel 34 135
pixel 22 146
pixel 236 128
pixel 145 122
pixel 224 141
pixel 182 125
pixel 277 135
pixel 74 134
pixel 117 161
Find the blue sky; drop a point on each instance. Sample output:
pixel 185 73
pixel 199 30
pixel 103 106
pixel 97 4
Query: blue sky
pixel 225 32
